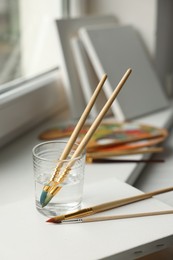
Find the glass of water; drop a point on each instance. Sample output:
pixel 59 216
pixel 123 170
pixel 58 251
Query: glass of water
pixel 45 160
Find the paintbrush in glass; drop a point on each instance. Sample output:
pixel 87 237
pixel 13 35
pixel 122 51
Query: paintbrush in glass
pixel 53 190
pixel 72 139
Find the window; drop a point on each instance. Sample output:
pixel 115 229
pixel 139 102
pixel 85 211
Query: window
pixel 28 40
pixel 9 41
pixel 29 59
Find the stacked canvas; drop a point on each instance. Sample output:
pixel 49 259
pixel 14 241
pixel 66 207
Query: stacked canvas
pixel 109 48
pixel 67 29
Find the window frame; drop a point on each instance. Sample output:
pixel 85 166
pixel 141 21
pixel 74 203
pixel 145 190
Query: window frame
pixel 27 103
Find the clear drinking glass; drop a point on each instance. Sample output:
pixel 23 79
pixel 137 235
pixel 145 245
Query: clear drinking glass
pixel 45 159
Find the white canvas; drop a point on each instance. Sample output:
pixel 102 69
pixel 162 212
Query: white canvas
pixel 112 50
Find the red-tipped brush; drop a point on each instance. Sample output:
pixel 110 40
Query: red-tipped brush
pixel 106 206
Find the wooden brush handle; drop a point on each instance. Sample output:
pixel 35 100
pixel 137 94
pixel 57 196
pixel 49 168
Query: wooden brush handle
pixel 119 203
pixel 98 155
pixel 79 125
pixel 126 201
pixel 133 215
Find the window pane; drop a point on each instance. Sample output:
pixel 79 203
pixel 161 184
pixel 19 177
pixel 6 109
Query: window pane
pixel 9 41
pixel 28 38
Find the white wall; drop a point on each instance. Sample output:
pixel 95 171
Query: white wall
pixel 140 13
pixel 39 37
pixel 38 34
pixel 78 7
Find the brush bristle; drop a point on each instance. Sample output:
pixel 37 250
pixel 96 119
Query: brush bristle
pixel 53 220
pixel 43 197
pixel 47 199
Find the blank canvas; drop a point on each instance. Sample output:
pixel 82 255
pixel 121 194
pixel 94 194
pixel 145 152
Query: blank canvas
pixel 112 50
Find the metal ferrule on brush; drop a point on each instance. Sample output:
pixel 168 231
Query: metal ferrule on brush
pixel 55 188
pixel 81 213
pixel 48 185
pixel 46 188
pixel 72 216
pixel 72 221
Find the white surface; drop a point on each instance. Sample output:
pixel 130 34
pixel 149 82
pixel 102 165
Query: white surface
pixel 163 118
pixel 113 49
pixel 27 236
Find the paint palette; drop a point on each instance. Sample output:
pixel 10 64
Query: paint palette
pixel 109 135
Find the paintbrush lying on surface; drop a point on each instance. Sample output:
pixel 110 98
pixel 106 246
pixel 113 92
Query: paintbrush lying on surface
pixel 72 139
pixel 107 206
pixel 116 217
pixel 54 189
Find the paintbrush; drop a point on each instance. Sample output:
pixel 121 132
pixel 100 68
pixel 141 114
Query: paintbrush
pixel 104 157
pixel 105 160
pixel 56 187
pixel 106 154
pixel 72 139
pixel 116 217
pixel 107 206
